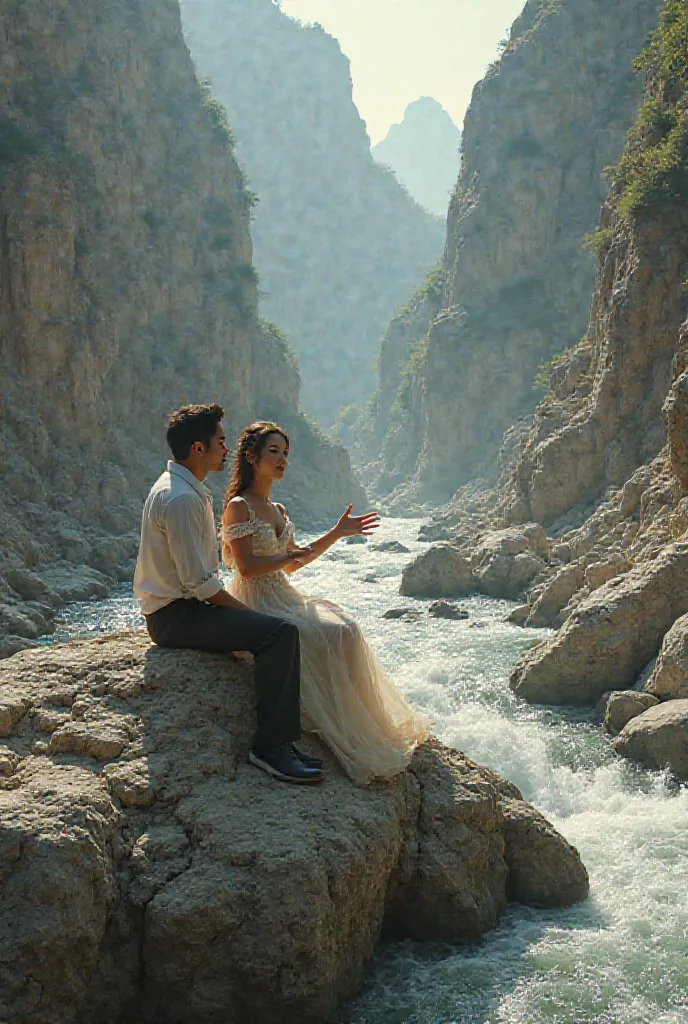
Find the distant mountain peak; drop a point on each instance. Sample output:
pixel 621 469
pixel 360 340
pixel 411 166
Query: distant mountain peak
pixel 423 150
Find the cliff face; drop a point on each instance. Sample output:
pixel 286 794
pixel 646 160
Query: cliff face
pixel 617 398
pixel 548 117
pixel 604 462
pixel 424 151
pixel 339 244
pixel 126 284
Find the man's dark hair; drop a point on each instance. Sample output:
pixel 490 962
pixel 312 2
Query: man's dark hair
pixel 190 424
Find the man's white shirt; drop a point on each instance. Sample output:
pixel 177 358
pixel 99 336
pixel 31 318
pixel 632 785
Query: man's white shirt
pixel 178 553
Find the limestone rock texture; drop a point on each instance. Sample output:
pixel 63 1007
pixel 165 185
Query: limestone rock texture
pixel 339 243
pixel 603 465
pixel 441 571
pixel 610 636
pixel 127 289
pixel 623 705
pixel 147 872
pixel 541 126
pixel 669 678
pixel 658 738
pixel 503 565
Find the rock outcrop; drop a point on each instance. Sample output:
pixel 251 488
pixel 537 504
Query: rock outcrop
pixel 543 124
pixel 620 706
pixel 669 678
pixel 502 565
pixel 658 738
pixel 609 439
pixel 339 243
pixel 610 636
pixel 127 289
pixel 146 871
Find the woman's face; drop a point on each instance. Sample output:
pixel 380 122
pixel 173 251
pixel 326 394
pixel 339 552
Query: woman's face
pixel 273 458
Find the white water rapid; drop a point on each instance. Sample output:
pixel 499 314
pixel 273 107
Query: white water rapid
pixel 619 958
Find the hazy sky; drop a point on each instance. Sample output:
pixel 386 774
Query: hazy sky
pixel 402 49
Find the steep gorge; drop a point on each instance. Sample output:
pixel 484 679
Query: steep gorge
pixel 549 116
pixel 604 463
pixel 126 289
pixel 339 243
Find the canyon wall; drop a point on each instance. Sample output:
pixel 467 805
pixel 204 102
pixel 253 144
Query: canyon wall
pixel 339 244
pixel 549 116
pixel 126 289
pixel 603 464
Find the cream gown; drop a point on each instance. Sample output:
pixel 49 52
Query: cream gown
pixel 347 698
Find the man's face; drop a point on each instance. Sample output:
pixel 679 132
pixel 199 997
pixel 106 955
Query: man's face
pixel 216 452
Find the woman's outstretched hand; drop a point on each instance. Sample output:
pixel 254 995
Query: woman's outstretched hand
pixel 352 526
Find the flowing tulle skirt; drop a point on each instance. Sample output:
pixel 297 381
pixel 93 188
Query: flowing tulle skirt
pixel 347 698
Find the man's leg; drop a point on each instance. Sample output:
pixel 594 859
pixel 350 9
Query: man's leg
pixel 274 642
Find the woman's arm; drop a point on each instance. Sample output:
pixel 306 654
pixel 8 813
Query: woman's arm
pixel 241 548
pixel 346 526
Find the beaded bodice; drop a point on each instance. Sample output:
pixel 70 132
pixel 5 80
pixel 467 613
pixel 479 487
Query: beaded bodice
pixel 265 540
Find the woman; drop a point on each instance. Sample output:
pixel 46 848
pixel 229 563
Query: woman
pixel 347 699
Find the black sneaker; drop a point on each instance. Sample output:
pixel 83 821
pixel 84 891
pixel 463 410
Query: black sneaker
pixel 307 759
pixel 282 763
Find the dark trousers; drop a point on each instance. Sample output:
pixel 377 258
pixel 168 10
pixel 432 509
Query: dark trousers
pixel 273 642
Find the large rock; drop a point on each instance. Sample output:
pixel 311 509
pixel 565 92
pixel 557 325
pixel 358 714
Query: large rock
pixel 610 636
pixel 669 679
pixel 658 738
pixel 543 871
pixel 554 594
pixel 623 705
pixel 507 561
pixel 144 864
pixel 441 571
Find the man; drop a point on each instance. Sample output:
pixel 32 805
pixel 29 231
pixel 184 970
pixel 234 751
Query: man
pixel 185 604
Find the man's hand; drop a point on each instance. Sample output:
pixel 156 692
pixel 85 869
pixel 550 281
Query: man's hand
pixel 353 526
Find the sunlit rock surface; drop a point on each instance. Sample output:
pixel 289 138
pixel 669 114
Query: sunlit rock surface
pixel 145 865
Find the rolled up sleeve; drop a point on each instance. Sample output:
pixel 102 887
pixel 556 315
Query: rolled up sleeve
pixel 184 523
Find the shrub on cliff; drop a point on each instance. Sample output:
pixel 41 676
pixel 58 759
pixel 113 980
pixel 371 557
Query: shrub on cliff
pixel 654 167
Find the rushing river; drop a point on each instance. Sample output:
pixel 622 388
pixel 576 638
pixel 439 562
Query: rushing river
pixel 619 958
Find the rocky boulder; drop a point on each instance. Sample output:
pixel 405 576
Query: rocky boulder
pixel 443 609
pixel 441 571
pixel 144 864
pixel 658 738
pixel 507 561
pixel 669 679
pixel 610 636
pixel 599 573
pixel 554 594
pixel 623 705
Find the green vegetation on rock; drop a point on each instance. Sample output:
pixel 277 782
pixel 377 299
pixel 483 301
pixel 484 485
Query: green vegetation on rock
pixel 654 167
